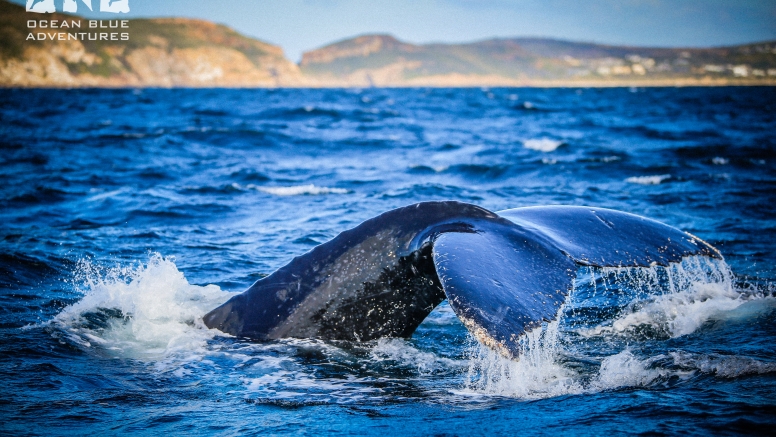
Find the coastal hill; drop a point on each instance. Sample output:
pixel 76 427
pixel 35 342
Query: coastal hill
pixel 179 52
pixel 382 60
pixel 168 52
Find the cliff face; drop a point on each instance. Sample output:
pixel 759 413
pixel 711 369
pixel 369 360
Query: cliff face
pixel 178 52
pixel 384 61
pixel 358 47
pixel 157 52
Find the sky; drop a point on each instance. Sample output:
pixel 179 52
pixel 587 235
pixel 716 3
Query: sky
pixel 302 25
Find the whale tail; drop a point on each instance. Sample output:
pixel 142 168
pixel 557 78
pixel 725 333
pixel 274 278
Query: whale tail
pixel 502 273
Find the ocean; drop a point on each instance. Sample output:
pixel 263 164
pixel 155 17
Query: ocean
pixel 128 214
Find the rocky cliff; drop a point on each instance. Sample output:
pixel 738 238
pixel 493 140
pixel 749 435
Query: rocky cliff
pixel 155 52
pixel 177 52
pixel 382 60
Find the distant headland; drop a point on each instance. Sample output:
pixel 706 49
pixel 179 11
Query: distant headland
pixel 59 50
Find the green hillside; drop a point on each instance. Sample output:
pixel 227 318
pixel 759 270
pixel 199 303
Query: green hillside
pixel 158 52
pixel 534 60
pixel 178 52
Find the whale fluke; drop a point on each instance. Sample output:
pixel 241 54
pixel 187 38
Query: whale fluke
pixel 503 273
pixel 375 280
pixel 602 237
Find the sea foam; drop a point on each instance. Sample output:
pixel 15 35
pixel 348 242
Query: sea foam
pixel 660 303
pixel 542 145
pixel 146 310
pixel 649 180
pixel 298 190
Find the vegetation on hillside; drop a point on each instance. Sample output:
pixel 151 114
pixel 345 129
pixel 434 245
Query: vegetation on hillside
pixel 538 59
pixel 187 52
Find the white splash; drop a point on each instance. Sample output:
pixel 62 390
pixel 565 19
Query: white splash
pixel 671 301
pixel 649 180
pixel 399 350
pixel 296 385
pixel 723 366
pixel 272 372
pixel 298 190
pixel 675 300
pixel 626 370
pixel 542 145
pixel 679 314
pixel 142 311
pixel 536 374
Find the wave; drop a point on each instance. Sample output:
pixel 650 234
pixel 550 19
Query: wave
pixel 41 195
pixel 298 190
pixel 402 352
pixel 723 366
pixel 564 357
pixel 350 374
pixel 293 190
pixel 669 302
pixel 489 171
pixel 542 145
pixel 649 180
pixel 305 111
pixel 676 314
pixel 143 311
pixel 151 313
pixel 602 159
pixel 279 378
pixel 425 169
pixel 538 373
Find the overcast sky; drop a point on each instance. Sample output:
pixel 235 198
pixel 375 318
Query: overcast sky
pixel 301 25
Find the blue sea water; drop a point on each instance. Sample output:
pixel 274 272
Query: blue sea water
pixel 128 214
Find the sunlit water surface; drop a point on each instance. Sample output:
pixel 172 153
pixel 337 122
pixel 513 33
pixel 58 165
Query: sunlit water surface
pixel 128 214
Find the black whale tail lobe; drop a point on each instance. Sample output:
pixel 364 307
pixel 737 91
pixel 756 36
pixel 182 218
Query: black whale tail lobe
pixel 503 273
pixel 375 280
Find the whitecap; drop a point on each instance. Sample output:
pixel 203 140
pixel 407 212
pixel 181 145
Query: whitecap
pixel 536 374
pixel 674 301
pixel 542 145
pixel 723 366
pixel 649 180
pixel 401 351
pixel 144 311
pixel 626 370
pixel 107 194
pixel 298 190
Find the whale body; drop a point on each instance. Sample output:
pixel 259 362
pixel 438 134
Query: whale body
pixel 503 273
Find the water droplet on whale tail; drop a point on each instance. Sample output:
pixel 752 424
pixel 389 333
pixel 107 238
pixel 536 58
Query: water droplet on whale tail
pixel 503 273
pixel 506 279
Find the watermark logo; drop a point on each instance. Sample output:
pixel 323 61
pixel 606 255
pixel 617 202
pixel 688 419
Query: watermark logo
pixel 48 6
pixel 69 28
